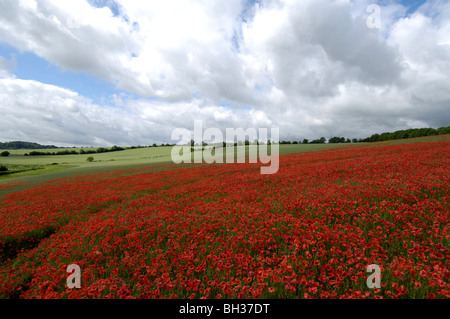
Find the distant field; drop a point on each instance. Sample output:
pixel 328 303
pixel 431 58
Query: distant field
pixel 132 156
pixel 28 171
pixel 79 163
pixel 32 170
pixel 24 166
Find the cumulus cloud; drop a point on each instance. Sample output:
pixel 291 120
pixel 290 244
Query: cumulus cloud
pixel 52 115
pixel 312 68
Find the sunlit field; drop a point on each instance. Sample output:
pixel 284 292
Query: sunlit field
pixel 226 231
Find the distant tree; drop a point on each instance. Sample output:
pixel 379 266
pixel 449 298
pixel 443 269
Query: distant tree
pixel 36 153
pixel 322 140
pixel 337 140
pixel 443 130
pixel 5 154
pixel 3 168
pixel 334 140
pixel 354 140
pixel 305 141
pixel 295 142
pixel 116 149
pixel 90 159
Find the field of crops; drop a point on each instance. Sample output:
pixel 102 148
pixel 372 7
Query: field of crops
pixel 226 231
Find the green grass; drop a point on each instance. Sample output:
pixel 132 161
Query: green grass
pixel 287 149
pixel 15 171
pixel 141 155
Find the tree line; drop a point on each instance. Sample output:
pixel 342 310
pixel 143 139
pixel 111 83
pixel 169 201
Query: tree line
pixel 397 135
pixel 24 145
pixel 81 152
pixel 405 134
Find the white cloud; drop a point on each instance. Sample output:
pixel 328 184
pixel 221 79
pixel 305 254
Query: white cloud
pixel 311 67
pixel 52 115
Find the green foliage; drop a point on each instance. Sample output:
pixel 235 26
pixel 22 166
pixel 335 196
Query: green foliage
pixel 338 140
pixel 405 134
pixel 24 145
pixel 90 159
pixel 36 153
pixel 66 152
pixel 73 152
pixel 5 154
pixel 116 149
pixel 322 140
pixel 3 168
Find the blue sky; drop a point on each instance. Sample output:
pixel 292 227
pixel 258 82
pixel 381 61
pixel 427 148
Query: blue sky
pixel 412 4
pixel 29 66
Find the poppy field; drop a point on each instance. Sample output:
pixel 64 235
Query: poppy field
pixel 226 231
